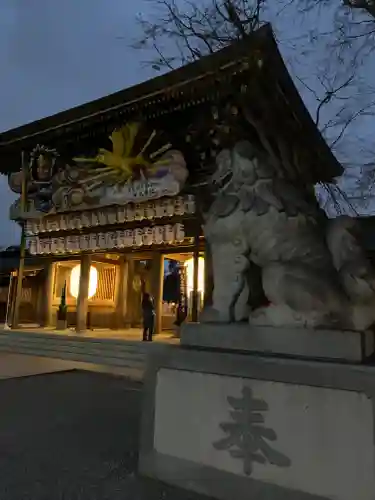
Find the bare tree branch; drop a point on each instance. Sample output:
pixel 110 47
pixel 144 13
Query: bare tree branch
pixel 196 30
pixel 184 32
pixel 349 121
pixel 329 95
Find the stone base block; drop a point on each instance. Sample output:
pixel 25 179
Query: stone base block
pixel 239 426
pixel 302 342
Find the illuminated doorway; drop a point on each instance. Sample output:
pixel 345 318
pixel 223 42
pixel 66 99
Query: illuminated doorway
pixel 178 289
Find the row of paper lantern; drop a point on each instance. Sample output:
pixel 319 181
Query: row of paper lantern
pixel 157 235
pixel 169 207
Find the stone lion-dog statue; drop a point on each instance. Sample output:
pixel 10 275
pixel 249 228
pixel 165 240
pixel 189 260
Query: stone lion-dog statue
pixel 313 271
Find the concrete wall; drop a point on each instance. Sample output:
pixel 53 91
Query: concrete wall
pixel 236 426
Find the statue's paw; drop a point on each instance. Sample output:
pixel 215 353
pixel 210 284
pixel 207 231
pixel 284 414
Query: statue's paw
pixel 259 317
pixel 362 317
pixel 242 313
pixel 212 315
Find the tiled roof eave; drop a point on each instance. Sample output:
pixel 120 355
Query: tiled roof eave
pixel 182 89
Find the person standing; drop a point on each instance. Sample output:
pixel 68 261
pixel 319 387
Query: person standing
pixel 148 312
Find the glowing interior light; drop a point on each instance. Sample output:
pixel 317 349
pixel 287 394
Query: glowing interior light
pixel 189 264
pixel 74 281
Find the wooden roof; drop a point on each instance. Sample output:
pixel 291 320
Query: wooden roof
pixel 188 86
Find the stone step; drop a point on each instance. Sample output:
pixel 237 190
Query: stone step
pixel 119 348
pixel 58 337
pixel 97 358
pixel 79 357
pixel 108 352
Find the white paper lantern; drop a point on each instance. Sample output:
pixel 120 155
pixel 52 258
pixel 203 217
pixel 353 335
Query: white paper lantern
pixel 63 223
pixel 33 246
pixel 169 233
pixel 61 245
pixel 112 216
pixel 159 209
pixel 139 212
pixel 169 208
pixel 138 237
pixel 102 241
pixel 148 236
pixel 158 235
pixel 94 219
pixel 93 241
pixel 150 212
pixel 111 239
pixel 129 212
pixel 128 239
pixel 102 216
pixel 179 205
pixel 190 204
pixel 179 233
pixel 121 214
pixel 120 239
pixel 86 219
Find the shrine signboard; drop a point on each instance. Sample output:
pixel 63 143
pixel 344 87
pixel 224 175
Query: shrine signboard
pixel 132 195
pixel 118 177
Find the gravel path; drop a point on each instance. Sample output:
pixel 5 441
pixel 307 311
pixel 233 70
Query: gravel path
pixel 73 435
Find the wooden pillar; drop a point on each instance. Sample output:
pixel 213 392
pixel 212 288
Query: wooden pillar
pixel 47 298
pixel 130 303
pixel 194 309
pixel 21 266
pixel 122 293
pixel 12 297
pixel 208 276
pixel 8 309
pixel 83 290
pixel 19 281
pixel 157 279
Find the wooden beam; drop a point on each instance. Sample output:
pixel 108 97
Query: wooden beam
pixel 105 261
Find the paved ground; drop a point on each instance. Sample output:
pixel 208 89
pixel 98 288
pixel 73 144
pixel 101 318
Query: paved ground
pixel 19 365
pixel 73 435
pixel 135 334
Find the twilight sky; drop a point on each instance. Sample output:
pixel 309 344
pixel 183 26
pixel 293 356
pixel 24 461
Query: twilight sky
pixel 55 55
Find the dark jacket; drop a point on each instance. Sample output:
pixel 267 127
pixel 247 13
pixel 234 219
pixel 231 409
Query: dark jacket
pixel 148 308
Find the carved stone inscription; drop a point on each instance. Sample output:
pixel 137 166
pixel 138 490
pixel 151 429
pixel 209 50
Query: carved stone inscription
pixel 246 435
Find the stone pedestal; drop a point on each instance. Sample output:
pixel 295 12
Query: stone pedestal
pixel 246 425
pixel 349 346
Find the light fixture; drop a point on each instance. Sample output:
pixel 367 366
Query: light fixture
pixel 189 265
pixel 74 281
